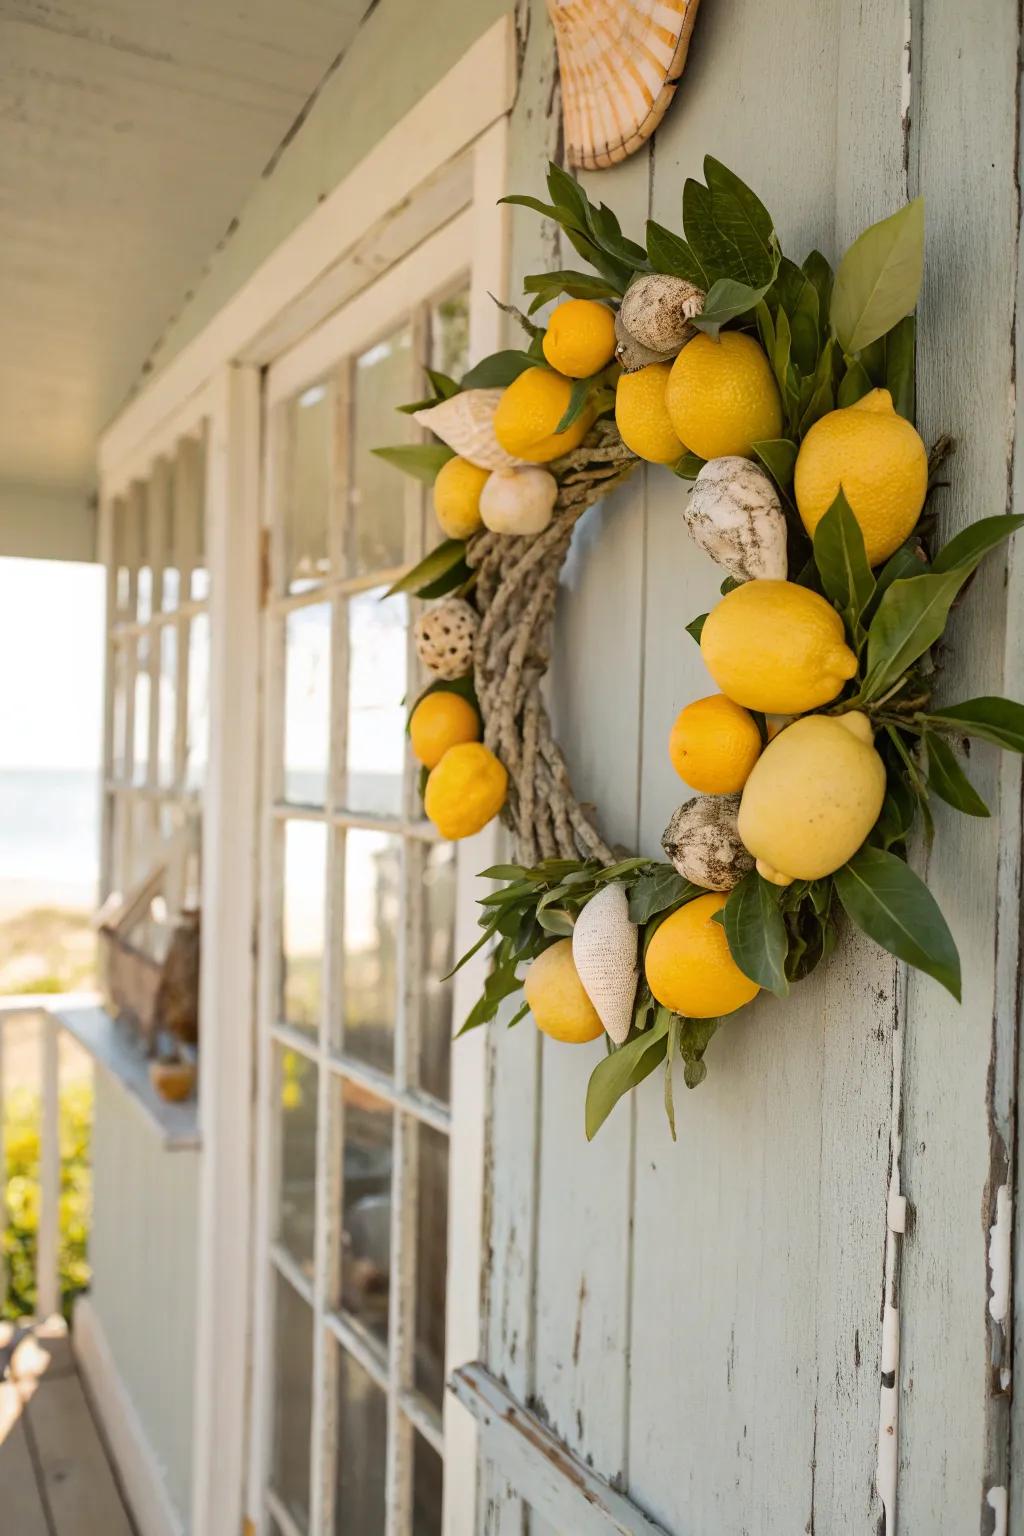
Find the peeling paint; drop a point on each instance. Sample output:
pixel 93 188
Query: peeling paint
pixel 997 1502
pixel 1000 1233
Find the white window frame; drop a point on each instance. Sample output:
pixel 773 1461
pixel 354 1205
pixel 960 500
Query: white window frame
pixel 447 154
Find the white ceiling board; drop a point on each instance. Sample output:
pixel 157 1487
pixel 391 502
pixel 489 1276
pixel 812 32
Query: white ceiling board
pixel 131 132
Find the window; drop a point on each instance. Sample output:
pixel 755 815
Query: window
pixel 359 908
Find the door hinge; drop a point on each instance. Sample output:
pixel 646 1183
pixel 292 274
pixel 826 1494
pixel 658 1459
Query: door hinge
pixel 264 577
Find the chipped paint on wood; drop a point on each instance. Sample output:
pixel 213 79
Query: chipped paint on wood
pixel 999 1256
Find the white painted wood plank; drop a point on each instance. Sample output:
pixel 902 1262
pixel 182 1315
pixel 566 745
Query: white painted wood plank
pixel 79 1486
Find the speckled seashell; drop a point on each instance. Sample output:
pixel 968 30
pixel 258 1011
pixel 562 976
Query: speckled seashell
pixel 658 309
pixel 604 951
pixel 735 515
pixel 630 355
pixel 703 842
pixel 466 423
pixel 518 502
pixel 444 638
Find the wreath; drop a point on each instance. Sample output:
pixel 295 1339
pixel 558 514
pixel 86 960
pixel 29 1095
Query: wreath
pixel 785 394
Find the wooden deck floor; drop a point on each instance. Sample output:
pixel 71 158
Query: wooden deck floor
pixel 55 1478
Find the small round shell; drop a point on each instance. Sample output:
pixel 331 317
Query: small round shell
pixel 604 951
pixel 703 842
pixel 630 355
pixel 735 515
pixel 466 423
pixel 519 502
pixel 658 309
pixel 444 638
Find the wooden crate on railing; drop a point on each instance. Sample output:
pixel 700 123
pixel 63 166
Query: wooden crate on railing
pixel 148 962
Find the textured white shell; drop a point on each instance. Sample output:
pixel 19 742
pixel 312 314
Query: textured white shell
pixel 604 952
pixel 466 423
pixel 703 842
pixel 620 62
pixel 518 501
pixel 657 310
pixel 735 515
pixel 444 638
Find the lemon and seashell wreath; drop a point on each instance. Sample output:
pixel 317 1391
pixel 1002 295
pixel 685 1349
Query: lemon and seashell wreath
pixel 784 395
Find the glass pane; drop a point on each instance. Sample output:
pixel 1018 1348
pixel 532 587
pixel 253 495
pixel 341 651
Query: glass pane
pixel 122 577
pixel 362 1452
pixel 366 1208
pixel 377 495
pixel 427 1489
pixel 376 716
pixel 307 704
pixel 199 582
pixel 305 870
pixel 436 957
pixel 144 579
pixel 449 334
pixel 170 587
pixel 369 960
pixel 167 705
pixel 198 728
pixel 431 1262
pixel 296 1220
pixel 307 433
pixel 293 1401
pixel 140 749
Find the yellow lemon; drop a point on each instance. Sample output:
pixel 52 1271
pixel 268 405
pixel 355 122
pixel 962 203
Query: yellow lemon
pixel 641 415
pixel 441 720
pixel 689 967
pixel 580 338
pixel 812 798
pixel 457 497
pixel 777 647
pixel 714 744
pixel 466 790
pixel 722 397
pixel 881 464
pixel 560 1006
pixel 530 410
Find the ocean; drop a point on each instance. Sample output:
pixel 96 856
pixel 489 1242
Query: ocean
pixel 49 838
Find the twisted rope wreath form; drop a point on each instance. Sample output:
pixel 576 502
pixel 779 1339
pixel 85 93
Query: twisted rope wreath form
pixel 515 594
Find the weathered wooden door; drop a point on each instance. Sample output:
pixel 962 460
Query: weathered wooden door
pixel 736 1329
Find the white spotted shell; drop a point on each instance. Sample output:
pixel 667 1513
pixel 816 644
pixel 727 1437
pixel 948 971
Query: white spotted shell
pixel 466 423
pixel 604 952
pixel 519 501
pixel 630 355
pixel 703 842
pixel 658 310
pixel 444 638
pixel 735 515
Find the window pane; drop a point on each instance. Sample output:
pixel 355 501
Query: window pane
pixel 369 961
pixel 307 704
pixel 122 575
pixel 170 593
pixel 366 1208
pixel 119 686
pixel 307 433
pixel 198 729
pixel 305 868
pixel 140 750
pixel 449 334
pixel 293 1401
pixel 167 705
pixel 199 582
pixel 297 1215
pixel 431 1262
pixel 144 579
pixel 436 957
pixel 427 1489
pixel 376 716
pixel 362 1452
pixel 377 495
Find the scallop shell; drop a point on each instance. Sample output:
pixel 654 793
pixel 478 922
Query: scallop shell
pixel 703 842
pixel 604 951
pixel 466 423
pixel 620 62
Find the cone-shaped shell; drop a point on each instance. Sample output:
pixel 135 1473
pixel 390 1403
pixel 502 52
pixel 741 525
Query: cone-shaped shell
pixel 604 951
pixel 703 842
pixel 466 423
pixel 735 515
pixel 620 62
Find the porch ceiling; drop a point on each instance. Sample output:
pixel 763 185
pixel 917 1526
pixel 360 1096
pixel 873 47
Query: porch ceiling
pixel 132 131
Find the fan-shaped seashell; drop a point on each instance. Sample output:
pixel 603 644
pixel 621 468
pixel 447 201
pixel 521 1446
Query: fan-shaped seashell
pixel 735 515
pixel 604 952
pixel 630 355
pixel 658 311
pixel 620 62
pixel 466 423
pixel 703 842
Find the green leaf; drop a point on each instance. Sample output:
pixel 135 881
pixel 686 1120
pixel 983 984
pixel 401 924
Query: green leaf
pixel 695 627
pixel 910 618
pixel 581 391
pixel 756 933
pixel 900 363
pixel 449 581
pixel 669 253
pixel 695 1035
pixel 688 467
pixel 899 809
pixel 501 982
pixel 843 564
pixel 908 561
pixel 884 897
pixel 623 1069
pixel 507 872
pixel 555 920
pixel 656 891
pixel 578 285
pixel 1000 721
pixel 819 273
pixel 421 460
pixel 727 299
pixel 566 190
pixel 879 278
pixel 855 384
pixel 444 386
pixel 947 779
pixel 745 222
pixel 437 564
pixel 780 352
pixel 499 369
pixel 713 249
pixel 821 399
pixel 778 455
pixel 671 1043
pixel 969 547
